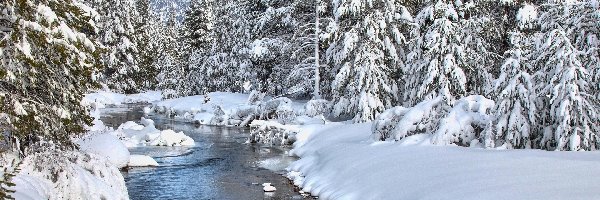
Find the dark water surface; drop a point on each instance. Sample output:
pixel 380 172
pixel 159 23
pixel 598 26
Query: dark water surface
pixel 220 166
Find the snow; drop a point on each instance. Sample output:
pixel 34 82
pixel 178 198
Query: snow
pixel 133 134
pixel 19 110
pixel 108 146
pixel 267 187
pixel 170 138
pixel 68 175
pixel 342 162
pixel 229 109
pixel 527 16
pixel 30 187
pixel 141 161
pixel 102 98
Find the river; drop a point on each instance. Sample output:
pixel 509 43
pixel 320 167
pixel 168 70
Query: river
pixel 220 166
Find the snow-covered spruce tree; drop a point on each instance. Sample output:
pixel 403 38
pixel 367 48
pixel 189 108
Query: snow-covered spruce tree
pixel 198 25
pixel 515 111
pixel 227 67
pixel 47 64
pixel 307 45
pixel 581 22
pixel 171 71
pixel 483 31
pixel 116 32
pixel 148 31
pixel 570 115
pixel 366 52
pixel 197 40
pixel 437 61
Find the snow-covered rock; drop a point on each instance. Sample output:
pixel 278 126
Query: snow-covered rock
pixel 133 134
pixel 267 187
pixel 170 138
pixel 141 161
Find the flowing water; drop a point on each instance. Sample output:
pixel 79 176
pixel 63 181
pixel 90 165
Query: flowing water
pixel 219 166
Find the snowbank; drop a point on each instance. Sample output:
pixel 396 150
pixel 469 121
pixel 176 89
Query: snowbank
pixel 106 145
pixel 102 98
pixel 343 162
pixel 68 175
pixel 229 109
pixel 133 135
pixel 141 161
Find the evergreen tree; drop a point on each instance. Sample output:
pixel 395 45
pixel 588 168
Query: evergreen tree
pixel 148 31
pixel 515 111
pixel 437 62
pixel 171 71
pixel 570 111
pixel 117 33
pixel 366 52
pixel 47 64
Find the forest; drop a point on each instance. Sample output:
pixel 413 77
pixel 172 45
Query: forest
pixel 513 74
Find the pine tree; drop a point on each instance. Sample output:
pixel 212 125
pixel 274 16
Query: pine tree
pixel 571 112
pixel 171 70
pixel 47 64
pixel 436 64
pixel 148 29
pixel 116 32
pixel 515 111
pixel 366 52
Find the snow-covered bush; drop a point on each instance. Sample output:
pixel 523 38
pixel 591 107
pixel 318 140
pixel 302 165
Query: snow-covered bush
pixel 465 121
pixel 268 110
pixel 317 107
pixel 399 122
pixel 255 97
pixel 285 113
pixel 273 133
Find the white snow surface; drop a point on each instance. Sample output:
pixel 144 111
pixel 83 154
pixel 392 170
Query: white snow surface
pixel 219 108
pixel 67 175
pixel 133 134
pixel 108 146
pixel 343 162
pixel 527 16
pixel 141 161
pixel 102 98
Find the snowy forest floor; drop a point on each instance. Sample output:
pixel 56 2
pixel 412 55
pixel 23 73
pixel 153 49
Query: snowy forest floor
pixel 340 160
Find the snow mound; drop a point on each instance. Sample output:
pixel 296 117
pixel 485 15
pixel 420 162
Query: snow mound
pixel 229 109
pixel 108 146
pixel 464 122
pixel 267 187
pixel 69 175
pixel 133 134
pixel 399 122
pixel 170 138
pixel 141 161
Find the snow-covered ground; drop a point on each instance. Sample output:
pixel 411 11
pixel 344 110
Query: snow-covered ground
pixel 66 175
pixel 102 98
pixel 229 109
pixel 341 161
